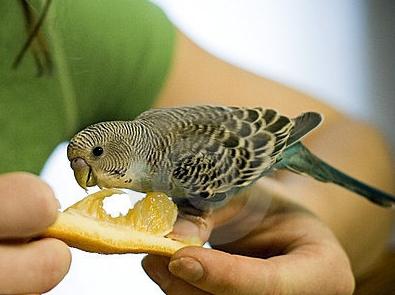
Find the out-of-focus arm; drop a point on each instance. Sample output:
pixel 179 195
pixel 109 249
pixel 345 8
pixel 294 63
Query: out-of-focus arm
pixel 362 228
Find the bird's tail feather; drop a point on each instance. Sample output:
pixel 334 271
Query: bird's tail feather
pixel 299 159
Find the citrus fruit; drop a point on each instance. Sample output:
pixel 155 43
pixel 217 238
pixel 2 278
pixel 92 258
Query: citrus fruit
pixel 86 225
pixel 154 214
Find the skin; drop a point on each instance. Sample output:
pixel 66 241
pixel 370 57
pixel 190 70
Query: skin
pixel 312 231
pixel 274 258
pixel 28 207
pixel 344 214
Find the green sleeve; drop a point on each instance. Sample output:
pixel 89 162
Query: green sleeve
pixel 110 61
pixel 113 56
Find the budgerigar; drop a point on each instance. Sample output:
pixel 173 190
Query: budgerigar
pixel 202 155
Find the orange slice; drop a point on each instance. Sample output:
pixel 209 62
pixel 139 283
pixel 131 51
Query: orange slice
pixel 86 226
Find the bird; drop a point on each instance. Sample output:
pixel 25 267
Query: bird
pixel 201 156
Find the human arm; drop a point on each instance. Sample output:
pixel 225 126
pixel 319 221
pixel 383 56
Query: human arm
pixel 27 208
pixel 199 78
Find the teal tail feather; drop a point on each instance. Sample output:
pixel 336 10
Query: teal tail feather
pixel 299 159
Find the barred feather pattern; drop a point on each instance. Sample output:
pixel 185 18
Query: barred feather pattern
pixel 203 152
pixel 110 134
pixel 211 150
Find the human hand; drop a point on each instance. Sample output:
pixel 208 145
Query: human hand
pixel 289 251
pixel 27 208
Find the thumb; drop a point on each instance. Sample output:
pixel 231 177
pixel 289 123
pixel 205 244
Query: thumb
pixel 220 273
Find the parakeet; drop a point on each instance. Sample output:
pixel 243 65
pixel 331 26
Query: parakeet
pixel 202 155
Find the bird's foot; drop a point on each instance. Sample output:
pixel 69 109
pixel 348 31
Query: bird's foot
pixel 191 228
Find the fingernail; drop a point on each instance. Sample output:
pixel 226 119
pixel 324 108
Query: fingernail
pixel 186 268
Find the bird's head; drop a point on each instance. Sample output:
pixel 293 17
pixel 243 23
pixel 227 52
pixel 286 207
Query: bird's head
pixel 101 155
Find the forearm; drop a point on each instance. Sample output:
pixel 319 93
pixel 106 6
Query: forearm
pixel 363 229
pixel 197 77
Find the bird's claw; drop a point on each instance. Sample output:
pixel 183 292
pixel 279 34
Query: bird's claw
pixel 193 229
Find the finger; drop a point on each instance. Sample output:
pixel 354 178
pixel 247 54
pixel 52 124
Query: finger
pixel 35 267
pixel 192 228
pixel 222 273
pixel 28 205
pixel 304 271
pixel 156 268
pixel 226 275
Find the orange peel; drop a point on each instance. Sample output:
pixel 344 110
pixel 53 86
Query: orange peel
pixel 86 226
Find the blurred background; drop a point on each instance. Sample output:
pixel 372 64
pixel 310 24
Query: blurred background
pixel 340 51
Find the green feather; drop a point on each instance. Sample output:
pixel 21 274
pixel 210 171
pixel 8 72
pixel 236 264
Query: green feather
pixel 299 159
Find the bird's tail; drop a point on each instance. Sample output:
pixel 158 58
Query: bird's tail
pixel 299 159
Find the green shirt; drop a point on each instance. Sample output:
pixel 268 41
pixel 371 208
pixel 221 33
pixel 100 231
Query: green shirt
pixel 110 61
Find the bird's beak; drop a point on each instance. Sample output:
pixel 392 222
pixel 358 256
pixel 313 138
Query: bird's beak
pixel 82 173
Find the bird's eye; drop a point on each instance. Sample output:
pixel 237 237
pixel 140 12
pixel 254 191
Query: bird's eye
pixel 97 151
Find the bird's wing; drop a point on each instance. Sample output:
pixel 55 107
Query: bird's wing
pixel 304 124
pixel 219 148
